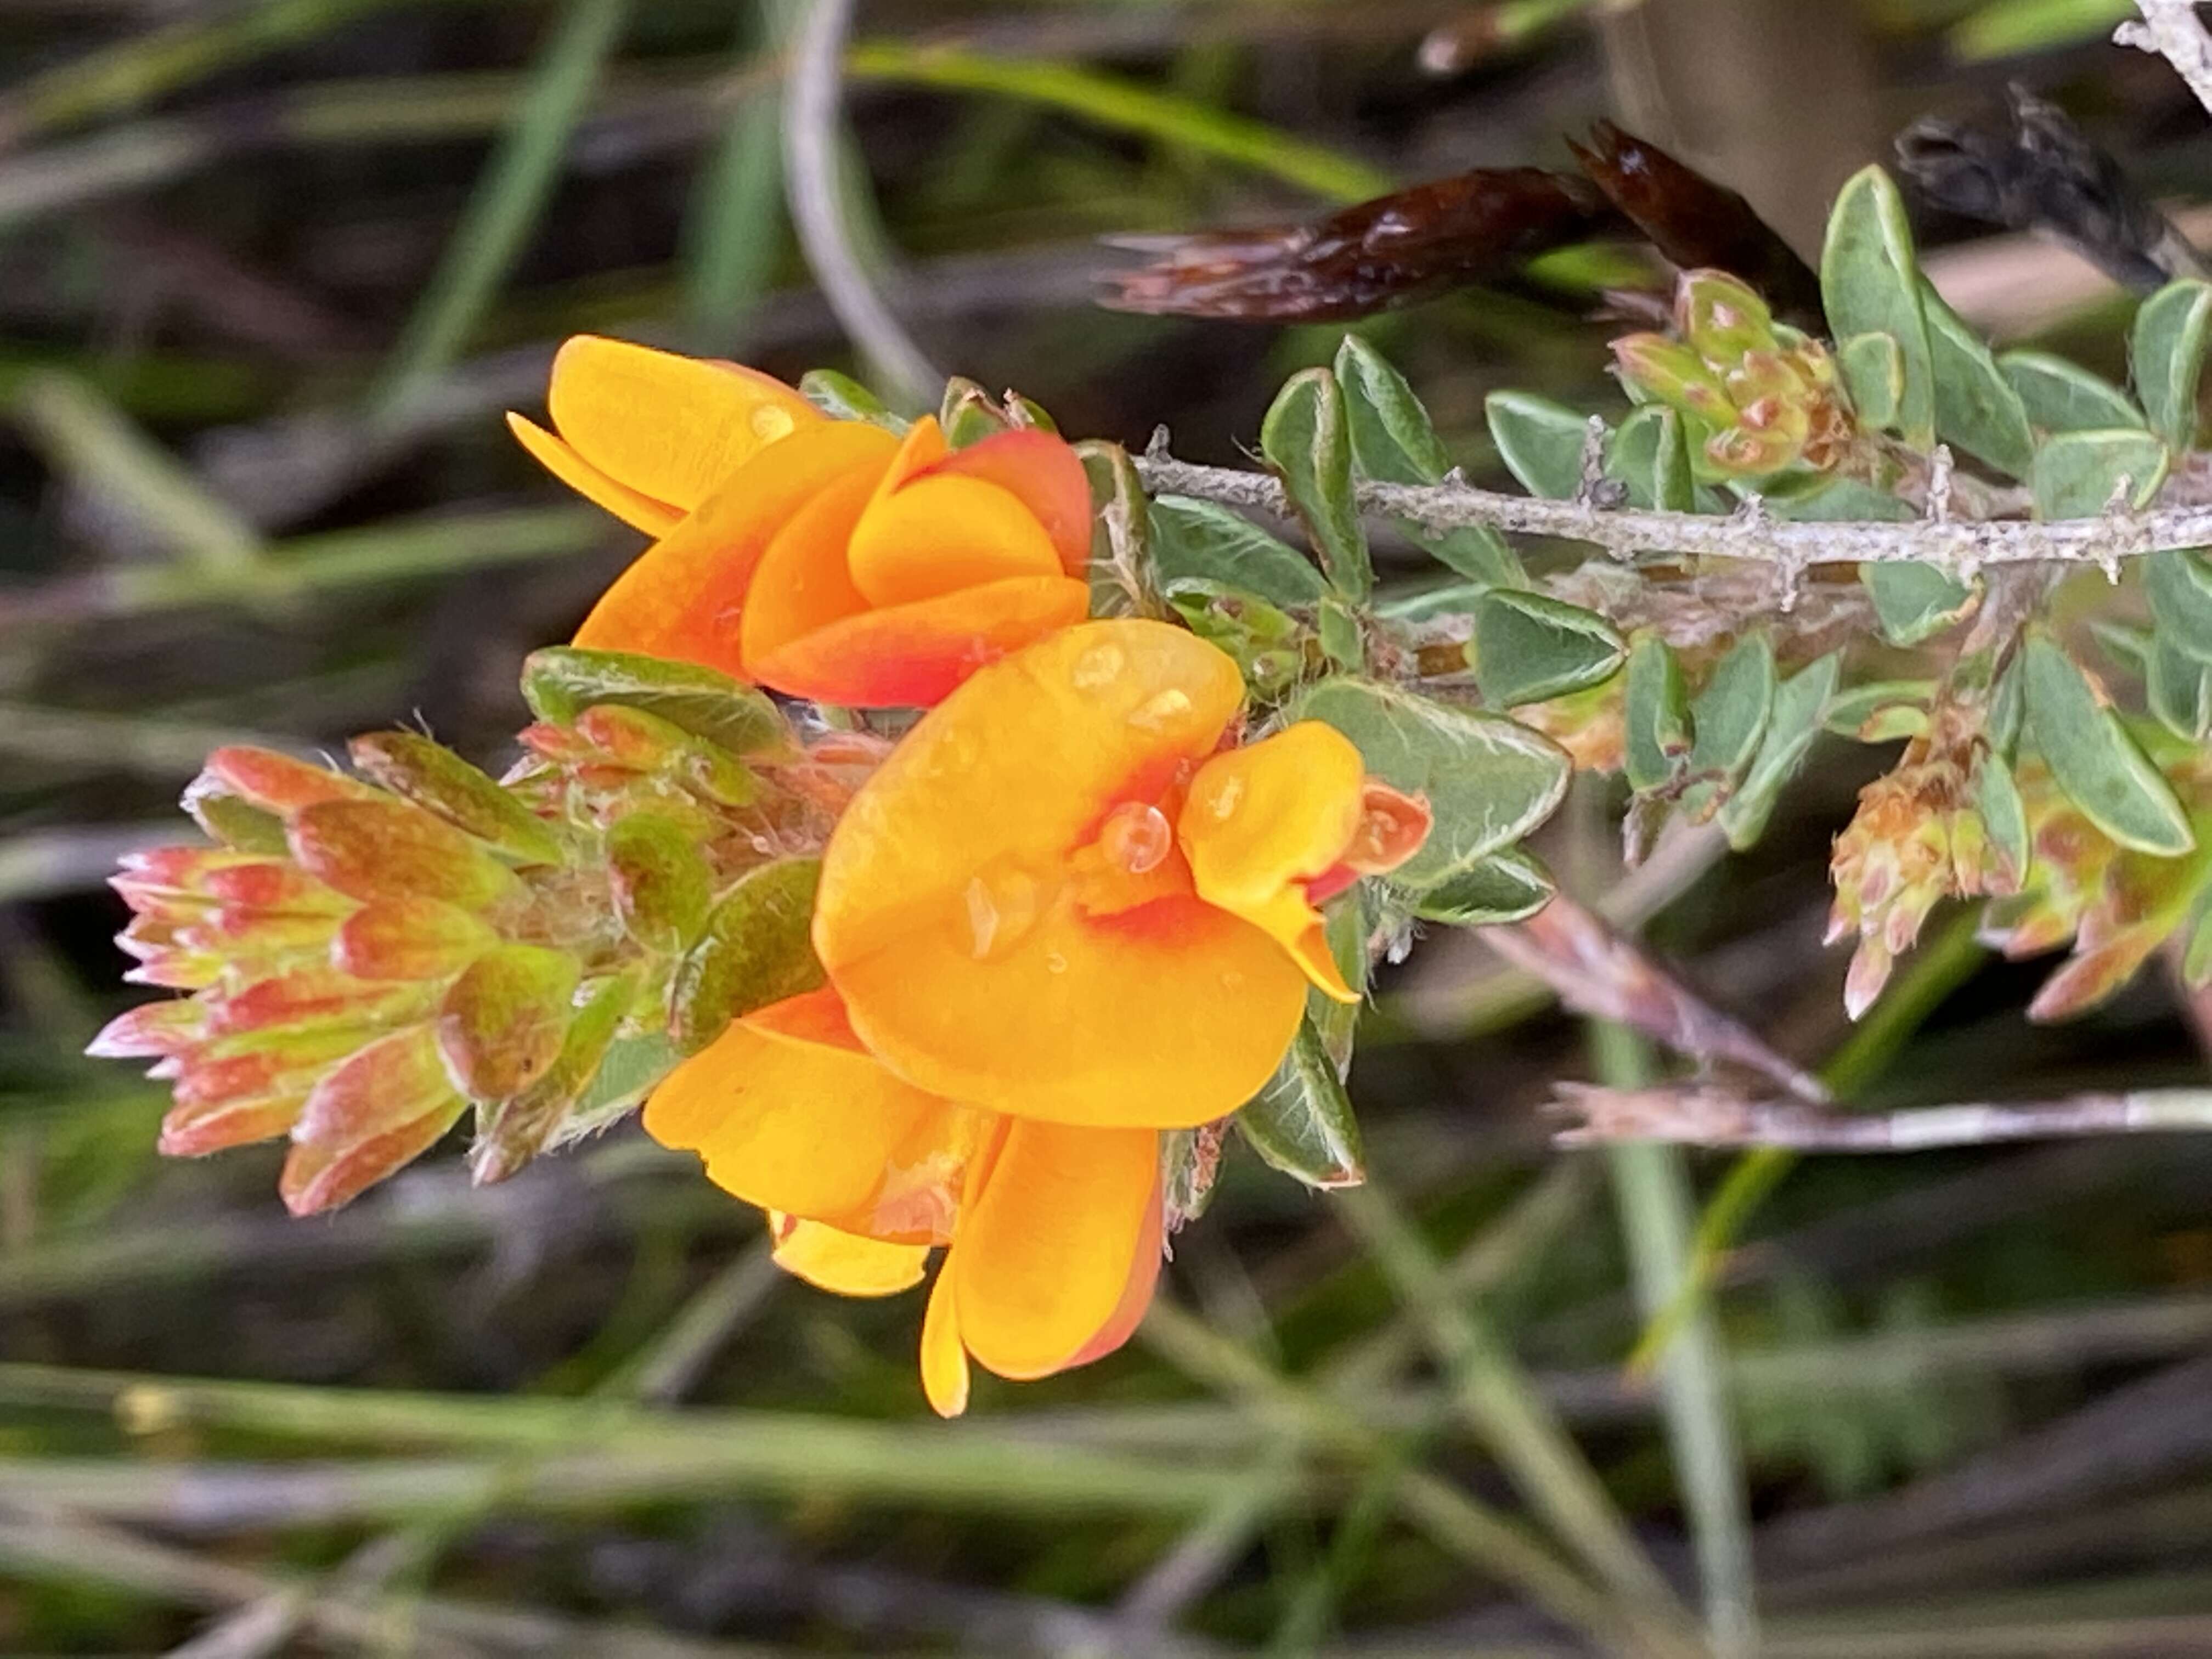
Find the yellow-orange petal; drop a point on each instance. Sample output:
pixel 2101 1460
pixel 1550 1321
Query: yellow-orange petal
pixel 1041 1261
pixel 947 913
pixel 669 426
pixel 920 448
pixel 800 584
pixel 1261 821
pixel 910 656
pixel 944 1357
pixel 683 598
pixel 799 1126
pixel 846 1264
pixel 1042 472
pixel 942 532
pixel 638 510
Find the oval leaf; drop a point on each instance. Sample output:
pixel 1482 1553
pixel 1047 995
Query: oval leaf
pixel 564 681
pixel 1209 541
pixel 1976 409
pixel 1302 1123
pixel 2167 353
pixel 1650 455
pixel 2077 475
pixel 1800 704
pixel 1392 436
pixel 1528 647
pixel 2064 396
pixel 1540 441
pixel 2178 585
pixel 1658 714
pixel 756 951
pixel 1913 601
pixel 1729 715
pixel 1505 887
pixel 1489 779
pixel 1871 284
pixel 1307 441
pixel 2094 760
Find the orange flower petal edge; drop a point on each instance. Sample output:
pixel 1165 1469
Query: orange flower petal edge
pixel 952 911
pixel 670 427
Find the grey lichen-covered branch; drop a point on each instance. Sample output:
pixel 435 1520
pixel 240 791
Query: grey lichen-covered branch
pixel 1960 545
pixel 1705 1116
pixel 2170 29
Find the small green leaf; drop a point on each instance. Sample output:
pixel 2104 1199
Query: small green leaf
pixel 1489 781
pixel 2196 955
pixel 1658 714
pixel 1528 647
pixel 1341 640
pixel 1393 440
pixel 2076 474
pixel 1307 441
pixel 968 414
pixel 1505 887
pixel 1540 441
pixel 2004 814
pixel 2167 353
pixel 563 681
pixel 2007 709
pixel 1121 563
pixel 2178 585
pixel 1976 409
pixel 1849 712
pixel 1799 703
pixel 1871 284
pixel 1873 367
pixel 1348 921
pixel 1206 540
pixel 1728 716
pixel 632 1067
pixel 1427 605
pixel 659 882
pixel 757 949
pixel 438 780
pixel 502 1023
pixel 1265 641
pixel 2126 643
pixel 1913 601
pixel 521 1127
pixel 842 398
pixel 1392 436
pixel 2094 759
pixel 1302 1122
pixel 2178 687
pixel 1650 455
pixel 2063 396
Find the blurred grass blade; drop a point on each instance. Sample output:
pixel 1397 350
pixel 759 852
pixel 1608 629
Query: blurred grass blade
pixel 510 195
pixel 89 441
pixel 1125 106
pixel 734 233
pixel 1937 969
pixel 1652 1188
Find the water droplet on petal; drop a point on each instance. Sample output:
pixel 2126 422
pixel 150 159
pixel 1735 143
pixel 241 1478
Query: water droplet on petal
pixel 1135 837
pixel 1003 906
pixel 768 423
pixel 1160 710
pixel 1097 668
pixel 1054 962
pixel 1228 797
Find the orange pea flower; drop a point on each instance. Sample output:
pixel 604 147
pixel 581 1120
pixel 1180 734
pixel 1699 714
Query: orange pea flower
pixel 826 559
pixel 1053 1231
pixel 1055 899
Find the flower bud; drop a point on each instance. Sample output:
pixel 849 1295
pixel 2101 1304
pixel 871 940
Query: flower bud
pixel 377 1110
pixel 502 1021
pixel 1721 317
pixel 409 938
pixel 381 848
pixel 440 781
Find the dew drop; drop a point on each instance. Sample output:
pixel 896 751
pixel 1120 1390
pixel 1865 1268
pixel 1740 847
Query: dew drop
pixel 1160 710
pixel 1097 668
pixel 1135 837
pixel 768 423
pixel 1054 962
pixel 1227 798
pixel 1002 907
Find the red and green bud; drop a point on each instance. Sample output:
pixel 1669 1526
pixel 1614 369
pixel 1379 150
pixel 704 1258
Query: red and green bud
pixel 384 848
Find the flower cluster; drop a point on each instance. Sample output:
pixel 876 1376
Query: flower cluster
pixel 947 987
pixel 1760 395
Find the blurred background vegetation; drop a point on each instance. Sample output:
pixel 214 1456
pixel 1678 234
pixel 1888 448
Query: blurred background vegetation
pixel 268 271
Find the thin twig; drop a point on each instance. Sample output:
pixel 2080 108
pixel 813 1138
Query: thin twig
pixel 2169 29
pixel 1958 545
pixel 1700 1115
pixel 814 183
